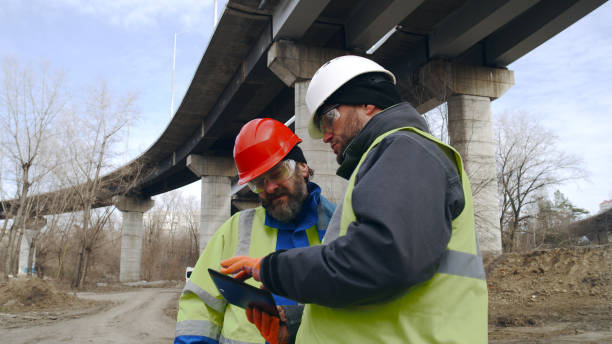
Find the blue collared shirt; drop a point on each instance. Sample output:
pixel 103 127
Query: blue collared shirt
pixel 292 234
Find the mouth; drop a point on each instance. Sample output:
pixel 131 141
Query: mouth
pixel 279 198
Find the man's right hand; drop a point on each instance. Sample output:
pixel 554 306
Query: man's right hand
pixel 272 328
pixel 244 266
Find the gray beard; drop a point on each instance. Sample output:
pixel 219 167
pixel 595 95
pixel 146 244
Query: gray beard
pixel 285 212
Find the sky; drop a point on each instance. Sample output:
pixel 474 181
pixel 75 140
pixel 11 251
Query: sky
pixel 129 44
pixel 567 83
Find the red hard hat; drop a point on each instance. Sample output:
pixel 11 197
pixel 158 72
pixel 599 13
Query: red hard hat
pixel 261 144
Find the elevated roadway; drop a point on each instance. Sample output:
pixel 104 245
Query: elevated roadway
pixel 233 83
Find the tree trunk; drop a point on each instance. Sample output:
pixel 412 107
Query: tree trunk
pixel 30 266
pixel 77 272
pixel 60 263
pixel 85 266
pixel 16 251
pixel 8 262
pixel 84 240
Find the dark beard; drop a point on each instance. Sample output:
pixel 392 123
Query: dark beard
pixel 340 157
pixel 353 128
pixel 285 212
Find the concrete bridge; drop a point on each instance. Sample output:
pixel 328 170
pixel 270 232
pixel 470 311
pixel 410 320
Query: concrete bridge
pixel 263 53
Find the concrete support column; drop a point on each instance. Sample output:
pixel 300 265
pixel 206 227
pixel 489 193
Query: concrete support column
pixel 132 230
pixel 295 65
pixel 469 91
pixel 216 173
pixel 32 228
pixel 471 133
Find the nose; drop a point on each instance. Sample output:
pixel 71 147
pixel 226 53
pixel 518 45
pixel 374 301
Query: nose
pixel 327 136
pixel 270 186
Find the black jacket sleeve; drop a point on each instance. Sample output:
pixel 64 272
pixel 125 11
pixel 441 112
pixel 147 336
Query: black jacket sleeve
pixel 406 194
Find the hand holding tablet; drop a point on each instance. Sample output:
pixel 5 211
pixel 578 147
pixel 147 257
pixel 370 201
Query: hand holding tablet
pixel 243 295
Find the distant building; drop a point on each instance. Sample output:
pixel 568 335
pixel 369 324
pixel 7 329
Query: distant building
pixel 605 205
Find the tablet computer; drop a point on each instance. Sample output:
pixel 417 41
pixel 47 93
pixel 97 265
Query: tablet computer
pixel 243 295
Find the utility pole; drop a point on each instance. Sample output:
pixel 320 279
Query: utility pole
pixel 173 67
pixel 215 16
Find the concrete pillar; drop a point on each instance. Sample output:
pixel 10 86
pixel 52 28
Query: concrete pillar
pixel 132 230
pixel 215 209
pixel 471 133
pixel 295 65
pixel 469 91
pixel 32 228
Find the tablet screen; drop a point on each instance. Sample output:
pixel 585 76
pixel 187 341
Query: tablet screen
pixel 241 294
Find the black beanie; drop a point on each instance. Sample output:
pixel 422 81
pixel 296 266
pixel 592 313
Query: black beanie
pixel 370 88
pixel 296 154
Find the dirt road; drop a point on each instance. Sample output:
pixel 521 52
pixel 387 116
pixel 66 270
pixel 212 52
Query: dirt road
pixel 560 295
pixel 135 316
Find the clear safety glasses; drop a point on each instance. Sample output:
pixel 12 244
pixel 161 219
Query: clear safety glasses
pixel 326 117
pixel 277 174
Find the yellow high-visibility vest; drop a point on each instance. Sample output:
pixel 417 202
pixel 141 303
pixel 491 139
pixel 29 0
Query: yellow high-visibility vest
pixel 451 307
pixel 202 309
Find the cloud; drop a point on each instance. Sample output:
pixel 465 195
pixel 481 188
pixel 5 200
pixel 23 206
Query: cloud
pixel 141 14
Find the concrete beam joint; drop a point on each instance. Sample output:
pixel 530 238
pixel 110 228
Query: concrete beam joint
pixel 293 62
pixel 133 204
pixel 211 166
pixel 444 79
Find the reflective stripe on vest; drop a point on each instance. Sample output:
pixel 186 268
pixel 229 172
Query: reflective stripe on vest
pixel 202 328
pixel 245 227
pixel 223 340
pixel 462 264
pixel 211 301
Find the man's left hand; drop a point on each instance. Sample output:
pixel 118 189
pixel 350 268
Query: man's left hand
pixel 244 266
pixel 272 328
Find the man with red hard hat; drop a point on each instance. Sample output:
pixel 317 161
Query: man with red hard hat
pixel 293 214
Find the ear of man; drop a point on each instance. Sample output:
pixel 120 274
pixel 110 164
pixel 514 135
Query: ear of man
pixel 371 110
pixel 302 169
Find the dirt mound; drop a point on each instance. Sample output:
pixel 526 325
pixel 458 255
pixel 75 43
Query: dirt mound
pixel 567 289
pixel 540 274
pixel 26 294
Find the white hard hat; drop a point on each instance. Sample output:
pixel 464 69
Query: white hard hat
pixel 330 77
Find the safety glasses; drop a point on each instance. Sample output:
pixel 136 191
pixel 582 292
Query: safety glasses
pixel 277 174
pixel 326 117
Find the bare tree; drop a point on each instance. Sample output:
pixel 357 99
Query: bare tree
pixel 91 142
pixel 155 224
pixel 437 121
pixel 171 237
pixel 29 102
pixel 528 161
pixel 192 224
